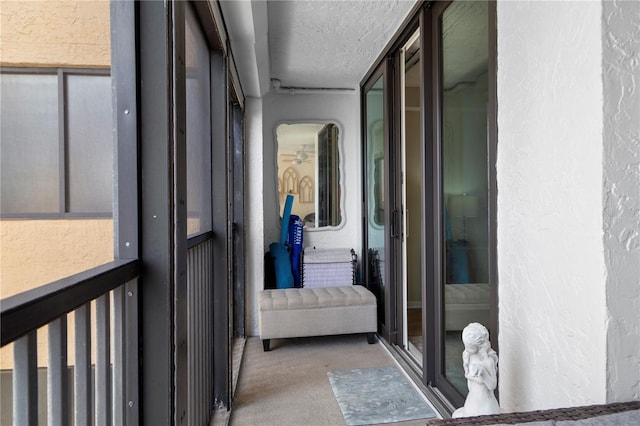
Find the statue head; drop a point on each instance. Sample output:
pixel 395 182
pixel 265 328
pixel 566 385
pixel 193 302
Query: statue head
pixel 475 336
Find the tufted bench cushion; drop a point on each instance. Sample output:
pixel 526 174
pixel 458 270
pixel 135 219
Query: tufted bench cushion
pixel 301 312
pixel 315 298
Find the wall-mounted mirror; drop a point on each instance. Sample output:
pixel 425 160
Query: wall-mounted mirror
pixel 308 167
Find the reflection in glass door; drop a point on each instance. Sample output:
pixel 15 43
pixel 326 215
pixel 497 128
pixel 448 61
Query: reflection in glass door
pixel 465 187
pixel 412 197
pixel 375 193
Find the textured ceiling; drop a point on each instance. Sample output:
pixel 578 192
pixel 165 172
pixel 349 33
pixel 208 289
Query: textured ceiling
pixel 329 44
pixel 333 43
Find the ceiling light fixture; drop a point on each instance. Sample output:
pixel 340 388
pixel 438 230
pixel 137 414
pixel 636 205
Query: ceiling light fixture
pixel 302 155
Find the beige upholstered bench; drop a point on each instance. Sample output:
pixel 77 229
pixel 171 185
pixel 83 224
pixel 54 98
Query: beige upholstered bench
pixel 302 312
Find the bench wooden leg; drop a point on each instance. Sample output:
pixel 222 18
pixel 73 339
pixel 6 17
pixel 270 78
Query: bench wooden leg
pixel 265 345
pixel 371 338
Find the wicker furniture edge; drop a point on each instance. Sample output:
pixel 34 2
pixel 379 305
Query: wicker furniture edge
pixel 572 413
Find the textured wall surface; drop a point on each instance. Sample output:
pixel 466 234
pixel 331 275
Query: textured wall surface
pixel 552 309
pixel 343 110
pixel 253 210
pixel 37 252
pixel 55 33
pixel 276 108
pixel 621 161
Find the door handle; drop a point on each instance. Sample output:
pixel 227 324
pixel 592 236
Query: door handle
pixel 395 223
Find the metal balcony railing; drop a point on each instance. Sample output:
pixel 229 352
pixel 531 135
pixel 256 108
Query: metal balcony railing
pixel 200 348
pixel 87 373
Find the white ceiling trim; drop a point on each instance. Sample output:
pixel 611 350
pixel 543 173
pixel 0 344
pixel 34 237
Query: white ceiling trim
pixel 246 24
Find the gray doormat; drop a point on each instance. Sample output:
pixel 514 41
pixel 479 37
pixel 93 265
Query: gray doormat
pixel 377 395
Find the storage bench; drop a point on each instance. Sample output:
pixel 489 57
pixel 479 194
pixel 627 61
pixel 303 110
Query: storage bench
pixel 302 312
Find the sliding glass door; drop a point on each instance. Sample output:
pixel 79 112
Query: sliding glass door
pixel 463 85
pixel 429 188
pixel 375 190
pixel 410 179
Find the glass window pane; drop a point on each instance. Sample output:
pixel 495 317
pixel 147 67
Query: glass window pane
pixel 89 144
pixel 464 38
pixel 375 163
pixel 413 194
pixel 29 151
pixel 198 128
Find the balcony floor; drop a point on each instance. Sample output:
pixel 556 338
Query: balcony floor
pixel 289 385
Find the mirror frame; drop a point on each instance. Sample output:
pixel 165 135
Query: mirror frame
pixel 341 201
pixel 376 175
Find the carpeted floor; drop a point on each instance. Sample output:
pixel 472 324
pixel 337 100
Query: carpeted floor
pixel 289 385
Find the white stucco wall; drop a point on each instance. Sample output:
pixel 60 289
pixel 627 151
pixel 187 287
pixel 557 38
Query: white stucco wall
pixel 339 108
pixel 264 227
pixel 621 175
pixel 552 311
pixel 253 203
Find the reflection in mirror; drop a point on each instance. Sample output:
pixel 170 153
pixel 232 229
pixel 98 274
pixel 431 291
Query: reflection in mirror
pixel 308 167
